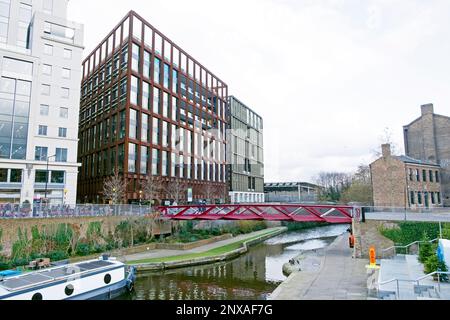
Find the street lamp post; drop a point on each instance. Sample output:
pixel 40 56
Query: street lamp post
pixel 47 177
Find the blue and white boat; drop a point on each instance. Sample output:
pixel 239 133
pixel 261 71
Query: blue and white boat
pixel 105 278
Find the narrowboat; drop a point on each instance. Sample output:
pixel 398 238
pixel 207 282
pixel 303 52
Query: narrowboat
pixel 101 279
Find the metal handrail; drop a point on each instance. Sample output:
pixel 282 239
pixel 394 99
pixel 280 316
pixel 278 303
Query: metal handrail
pixel 406 247
pixel 397 293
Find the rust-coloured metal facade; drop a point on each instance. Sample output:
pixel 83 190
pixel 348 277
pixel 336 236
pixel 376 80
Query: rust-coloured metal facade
pixel 149 108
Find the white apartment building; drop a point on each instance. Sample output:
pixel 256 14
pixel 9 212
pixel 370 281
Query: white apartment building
pixel 40 76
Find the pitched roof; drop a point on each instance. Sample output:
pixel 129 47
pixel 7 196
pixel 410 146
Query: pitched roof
pixel 407 159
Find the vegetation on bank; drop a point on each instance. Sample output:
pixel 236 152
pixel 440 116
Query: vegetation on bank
pixel 63 241
pixel 409 232
pixel 207 254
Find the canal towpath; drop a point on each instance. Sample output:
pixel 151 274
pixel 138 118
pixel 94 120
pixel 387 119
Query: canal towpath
pixel 163 253
pixel 337 276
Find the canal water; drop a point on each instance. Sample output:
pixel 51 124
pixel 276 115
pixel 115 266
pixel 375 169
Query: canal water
pixel 253 276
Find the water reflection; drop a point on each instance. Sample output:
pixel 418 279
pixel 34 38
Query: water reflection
pixel 253 276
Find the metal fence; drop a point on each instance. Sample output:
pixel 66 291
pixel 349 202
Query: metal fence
pixel 15 211
pixel 436 214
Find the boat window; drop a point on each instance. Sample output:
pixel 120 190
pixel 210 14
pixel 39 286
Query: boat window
pixel 69 290
pixel 37 296
pixel 107 278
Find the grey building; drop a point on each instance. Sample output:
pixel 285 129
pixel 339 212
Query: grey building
pixel 40 75
pixel 294 192
pixel 428 139
pixel 245 153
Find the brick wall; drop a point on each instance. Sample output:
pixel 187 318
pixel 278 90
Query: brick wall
pixel 10 227
pixel 368 234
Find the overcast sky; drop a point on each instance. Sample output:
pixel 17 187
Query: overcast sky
pixel 327 76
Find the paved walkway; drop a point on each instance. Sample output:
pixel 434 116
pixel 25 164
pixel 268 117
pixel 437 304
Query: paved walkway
pixel 338 277
pixel 160 253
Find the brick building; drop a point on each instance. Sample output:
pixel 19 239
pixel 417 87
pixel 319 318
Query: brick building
pixel 402 181
pixel 428 139
pixel 149 109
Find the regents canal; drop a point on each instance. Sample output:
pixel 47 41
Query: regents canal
pixel 253 276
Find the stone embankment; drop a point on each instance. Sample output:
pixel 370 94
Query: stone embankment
pixel 264 235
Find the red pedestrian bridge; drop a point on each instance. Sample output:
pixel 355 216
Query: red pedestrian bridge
pixel 269 212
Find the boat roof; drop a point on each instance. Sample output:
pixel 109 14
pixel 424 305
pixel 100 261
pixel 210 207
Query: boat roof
pixel 32 279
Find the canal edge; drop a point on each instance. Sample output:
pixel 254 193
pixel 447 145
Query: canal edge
pixel 209 260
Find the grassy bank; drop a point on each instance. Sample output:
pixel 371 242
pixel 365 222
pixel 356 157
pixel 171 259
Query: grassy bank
pixel 207 254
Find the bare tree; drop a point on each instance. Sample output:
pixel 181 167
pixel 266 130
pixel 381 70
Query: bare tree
pixel 211 192
pixel 115 188
pixel 151 188
pixel 176 190
pixel 386 138
pixel 332 184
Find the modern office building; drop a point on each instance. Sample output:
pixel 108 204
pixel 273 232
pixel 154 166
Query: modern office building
pixel 150 109
pixel 293 192
pixel 428 139
pixel 245 153
pixel 40 66
pixel 405 182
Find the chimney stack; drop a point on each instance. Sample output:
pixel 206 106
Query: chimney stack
pixel 427 109
pixel 386 149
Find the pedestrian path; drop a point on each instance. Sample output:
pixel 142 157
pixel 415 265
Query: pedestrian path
pixel 340 277
pixel 160 253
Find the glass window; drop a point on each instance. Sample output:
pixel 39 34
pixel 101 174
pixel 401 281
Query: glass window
pixel 437 176
pixel 47 69
pixel 135 57
pixel 157 70
pixel 165 135
pixel 66 73
pixel 424 176
pixel 144 159
pixel 137 28
pixel 57 177
pixel 134 90
pixel 42 131
pixel 16 176
pixel 45 89
pixel 155 162
pixel 67 54
pixel 431 176
pixel 18 66
pixel 165 104
pixel 419 198
pixel 174 108
pixel 155 130
pixel 166 75
pixel 62 132
pixel 61 155
pixel 44 110
pixel 40 153
pixel 133 124
pixel 40 176
pixel 145 95
pixel 63 112
pixel 148 37
pixel 3 175
pixel 147 64
pixel 156 95
pixel 65 92
pixel 158 44
pixel 165 166
pixel 175 81
pixel 144 128
pixel 122 125
pixel 131 157
pixel 48 49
